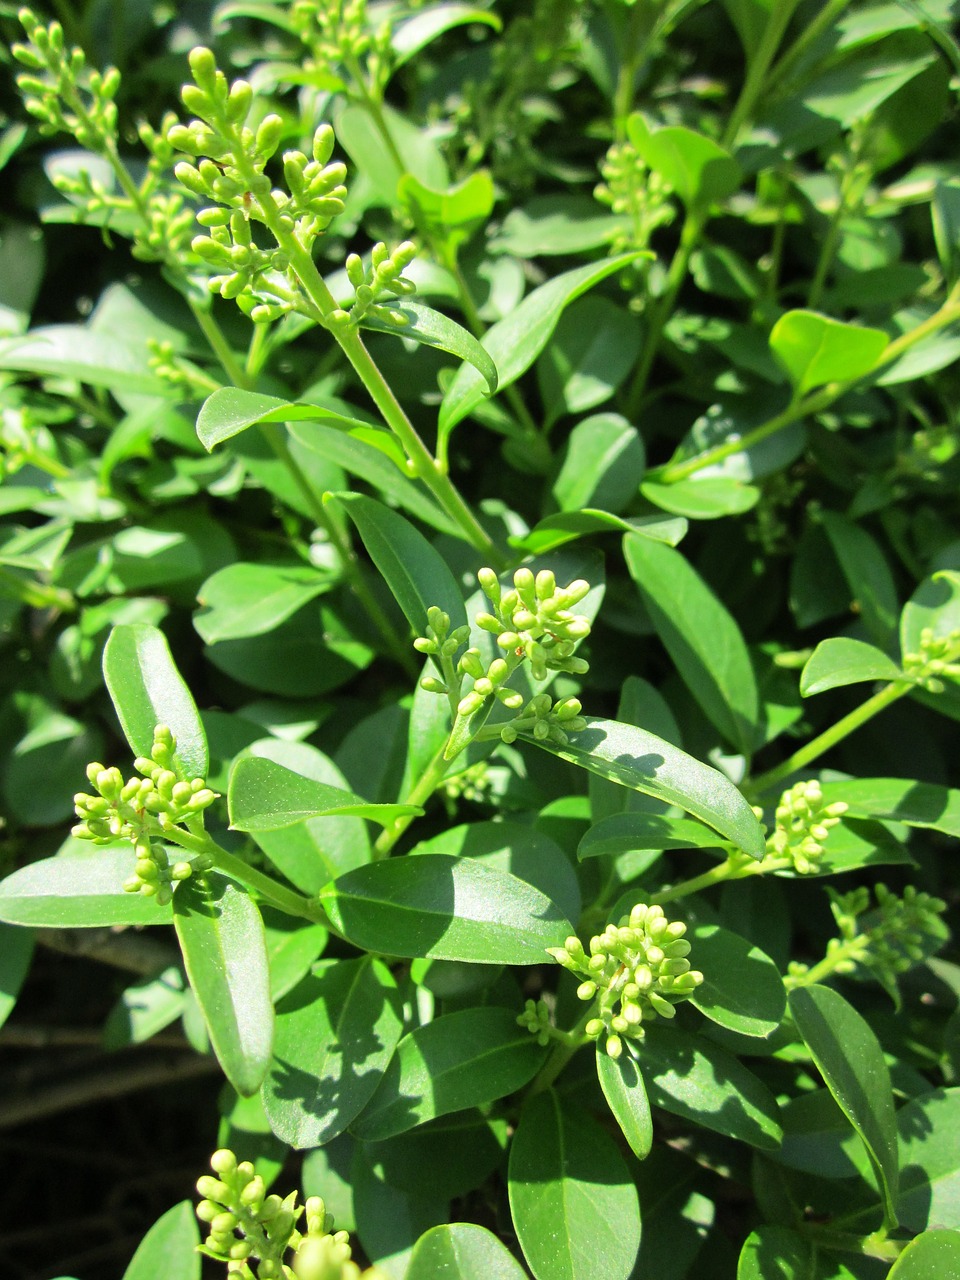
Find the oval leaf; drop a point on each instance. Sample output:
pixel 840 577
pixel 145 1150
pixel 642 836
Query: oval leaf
pixel 694 1078
pixel 814 349
pixel 849 1057
pixel 336 1033
pixel 634 758
pixel 929 1160
pixel 623 1088
pixel 224 950
pixel 742 988
pixel 573 1201
pixel 627 832
pixel 408 38
pixel 841 661
pixel 462 1251
pixel 79 890
pixel 460 1060
pixel 567 526
pixel 251 599
pixel 434 329
pixel 935 1255
pixel 147 690
pixel 169 1248
pixel 264 796
pixel 696 167
pixel 916 804
pixel 415 572
pixel 444 908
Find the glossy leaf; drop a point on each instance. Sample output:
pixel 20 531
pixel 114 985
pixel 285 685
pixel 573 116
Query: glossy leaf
pixel 873 590
pixel 935 1255
pixel 97 358
pixel 934 604
pixel 434 329
pixel 460 1060
pixel 701 636
pixel 459 205
pixel 554 531
pixel 221 935
pixel 145 1008
pixel 916 804
pixel 265 796
pixel 742 989
pixel 776 1253
pixel 336 1032
pixel 250 599
pixel 601 465
pixel 841 661
pixel 415 572
pixel 626 1096
pixel 169 1248
pixel 698 169
pixel 624 832
pixel 78 890
pixel 16 951
pixel 573 1202
pixel 446 908
pixel 929 1160
pixel 147 690
pixel 515 342
pixel 696 1079
pixel 592 350
pixel 848 1056
pixel 462 1251
pixel 703 497
pixel 634 758
pixel 408 38
pixel 813 349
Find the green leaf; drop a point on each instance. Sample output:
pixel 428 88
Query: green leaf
pixel 416 574
pixel 813 349
pixel 78 890
pixel 36 550
pixel 516 341
pixel 935 1255
pixel 742 989
pixel 934 604
pixel 145 1008
pixel 916 804
pixel 434 329
pixel 445 908
pixel 16 951
pixel 626 832
pixel 945 211
pixel 556 224
pixel 462 1251
pixel 700 171
pixel 169 1248
pixel 840 661
pixel 703 497
pixel 447 1157
pixel 623 1088
pixel 409 37
pixel 147 690
pixel 848 1056
pixel 594 346
pixel 634 758
pixel 221 935
pixel 701 636
pixel 459 1060
pixel 573 1202
pixel 265 796
pixel 250 599
pixel 750 18
pixel 336 1032
pixel 868 575
pixel 601 465
pixel 776 1253
pixel 554 531
pixel 692 1077
pixel 97 358
pixel 457 206
pixel 929 1160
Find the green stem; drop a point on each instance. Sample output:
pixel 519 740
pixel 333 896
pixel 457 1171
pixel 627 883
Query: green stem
pixel 572 1041
pixel 823 742
pixel 663 307
pixel 852 949
pixel 285 900
pixel 211 330
pixel 35 595
pixel 780 14
pixel 641 24
pixel 419 794
pixel 735 867
pixel 811 32
pixel 828 249
pixel 813 403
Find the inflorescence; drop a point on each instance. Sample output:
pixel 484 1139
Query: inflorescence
pixel 803 823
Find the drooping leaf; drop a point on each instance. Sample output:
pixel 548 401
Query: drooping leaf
pixel 415 572
pixel 634 758
pixel 573 1202
pixel 434 329
pixel 446 908
pixel 78 890
pixel 701 636
pixel 841 661
pixel 814 349
pixel 849 1058
pixel 169 1248
pixel 265 796
pixel 221 935
pixel 623 1088
pixel 336 1033
pixel 462 1251
pixel 460 1060
pixel 147 690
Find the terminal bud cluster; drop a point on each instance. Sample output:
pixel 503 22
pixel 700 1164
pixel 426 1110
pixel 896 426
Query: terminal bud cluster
pixel 803 823
pixel 938 660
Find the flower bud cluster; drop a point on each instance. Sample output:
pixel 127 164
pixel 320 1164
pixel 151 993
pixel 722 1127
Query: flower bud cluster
pixel 60 92
pixel 251 1231
pixel 536 620
pixel 630 188
pixel 536 1019
pixel 383 277
pixel 938 657
pixel 340 35
pixel 144 808
pixel 803 823
pixel 635 970
pixel 546 720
